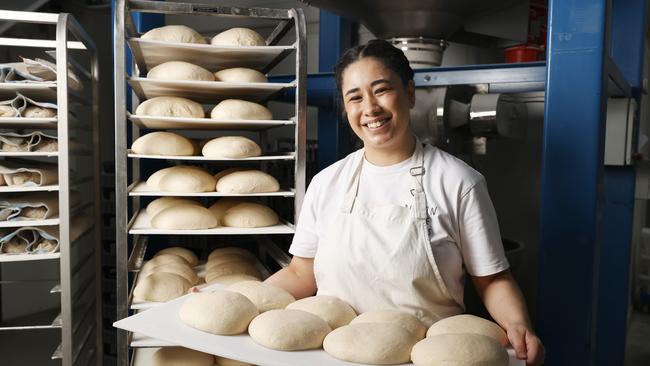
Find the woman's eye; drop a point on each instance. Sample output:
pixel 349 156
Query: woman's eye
pixel 355 98
pixel 381 90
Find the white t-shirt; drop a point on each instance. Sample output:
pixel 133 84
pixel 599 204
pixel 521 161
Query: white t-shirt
pixel 456 191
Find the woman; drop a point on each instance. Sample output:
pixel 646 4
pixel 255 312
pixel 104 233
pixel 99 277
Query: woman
pixel 396 224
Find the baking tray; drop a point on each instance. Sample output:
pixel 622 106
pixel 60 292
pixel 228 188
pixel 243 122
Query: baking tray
pixel 206 91
pixel 179 123
pixel 151 53
pixel 27 122
pixel 5 189
pixel 141 189
pixel 43 92
pixel 162 322
pixel 283 156
pixel 141 226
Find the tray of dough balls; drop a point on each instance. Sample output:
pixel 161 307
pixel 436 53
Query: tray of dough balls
pixel 170 112
pixel 258 323
pixel 180 78
pixel 228 215
pixel 235 47
pixel 169 145
pixel 171 272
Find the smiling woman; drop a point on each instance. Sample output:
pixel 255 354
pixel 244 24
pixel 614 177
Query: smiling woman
pixel 398 225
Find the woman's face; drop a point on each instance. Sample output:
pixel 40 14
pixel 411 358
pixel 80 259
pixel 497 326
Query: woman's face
pixel 377 103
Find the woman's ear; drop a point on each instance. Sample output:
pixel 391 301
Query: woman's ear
pixel 410 89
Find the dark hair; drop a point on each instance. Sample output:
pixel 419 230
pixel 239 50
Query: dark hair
pixel 392 57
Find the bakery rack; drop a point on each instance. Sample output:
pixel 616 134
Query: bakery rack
pixel 132 226
pixel 78 316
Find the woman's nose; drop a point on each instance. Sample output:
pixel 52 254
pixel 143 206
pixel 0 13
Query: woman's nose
pixel 371 107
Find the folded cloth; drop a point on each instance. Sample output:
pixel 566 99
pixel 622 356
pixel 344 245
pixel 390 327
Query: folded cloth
pixel 34 205
pixel 30 240
pixel 28 175
pixel 21 106
pixel 46 71
pixel 38 240
pixel 34 141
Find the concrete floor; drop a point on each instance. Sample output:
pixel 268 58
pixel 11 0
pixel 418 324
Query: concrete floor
pixel 637 349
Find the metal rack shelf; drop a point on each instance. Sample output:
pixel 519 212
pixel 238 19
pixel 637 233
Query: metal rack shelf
pixel 141 189
pixel 176 123
pixel 285 156
pixel 206 91
pixel 26 122
pixel 133 225
pixel 149 53
pixel 77 264
pixel 141 225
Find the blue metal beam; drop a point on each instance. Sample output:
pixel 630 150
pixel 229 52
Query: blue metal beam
pixel 572 169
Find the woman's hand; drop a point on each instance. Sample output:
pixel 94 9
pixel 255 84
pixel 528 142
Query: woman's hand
pixel 526 344
pixel 504 301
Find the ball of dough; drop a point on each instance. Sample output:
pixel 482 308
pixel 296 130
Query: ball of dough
pixel 466 323
pixel 333 310
pixel 164 143
pixel 250 215
pixel 174 33
pixel 225 172
pixel 288 330
pixel 222 361
pixel 247 181
pixel 184 217
pixel 154 180
pixel 403 319
pixel 237 267
pixel 238 37
pixel 459 349
pixel 163 259
pixel 187 180
pixel 233 147
pixel 237 109
pixel 182 270
pixel 220 207
pixel 160 286
pixel 218 261
pixel 240 75
pixel 170 107
pixel 162 203
pixel 230 279
pixel 231 250
pixel 227 259
pixel 370 343
pixel 34 111
pixel 187 254
pixel 180 356
pixel 266 297
pixel 7 111
pixel 219 312
pixel 180 70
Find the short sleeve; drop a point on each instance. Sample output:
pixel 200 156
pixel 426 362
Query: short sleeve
pixel 480 243
pixel 305 240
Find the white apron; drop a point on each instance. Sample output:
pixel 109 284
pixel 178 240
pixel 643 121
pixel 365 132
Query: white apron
pixel 378 257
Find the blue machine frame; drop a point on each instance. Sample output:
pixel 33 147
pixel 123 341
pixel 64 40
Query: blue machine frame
pixel 595 50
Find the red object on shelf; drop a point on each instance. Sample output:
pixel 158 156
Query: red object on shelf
pixel 523 53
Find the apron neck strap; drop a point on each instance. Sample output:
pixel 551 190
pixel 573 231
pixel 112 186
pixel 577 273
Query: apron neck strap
pixel 417 171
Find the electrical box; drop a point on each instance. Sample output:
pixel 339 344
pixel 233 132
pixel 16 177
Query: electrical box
pixel 619 131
